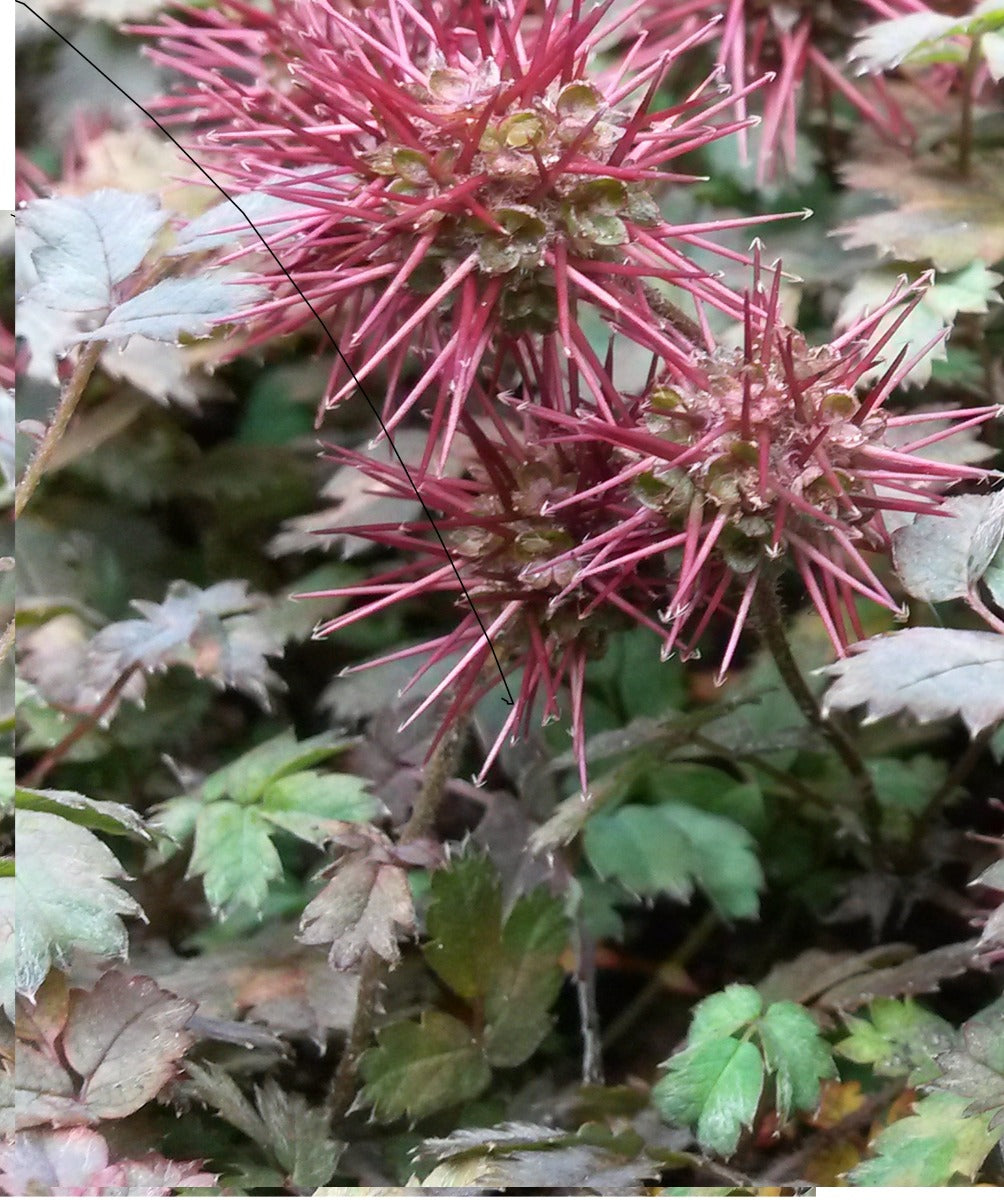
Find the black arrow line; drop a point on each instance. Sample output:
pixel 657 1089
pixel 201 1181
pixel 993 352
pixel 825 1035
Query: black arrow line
pixel 509 699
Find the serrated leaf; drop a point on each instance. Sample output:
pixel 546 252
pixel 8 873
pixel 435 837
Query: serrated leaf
pixel 85 245
pixel 935 1146
pixel 899 1039
pixel 716 1086
pixel 78 1162
pixel 246 779
pixel 233 852
pixel 938 216
pixel 104 815
pixel 212 1085
pixel 724 1013
pixel 202 629
pixel 464 924
pixel 420 1067
pixel 974 1069
pixel 65 898
pixel 799 1058
pixel 113 1050
pixel 190 306
pixel 944 557
pixel 917 974
pixel 526 980
pixel 366 906
pixel 886 44
pixel 307 802
pixel 298 1136
pixel 931 673
pixel 521 1155
pixel 669 847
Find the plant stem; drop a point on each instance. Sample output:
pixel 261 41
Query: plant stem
pixel 775 636
pixel 654 988
pixel 40 771
pixel 7 640
pixel 68 401
pixel 438 773
pixel 966 118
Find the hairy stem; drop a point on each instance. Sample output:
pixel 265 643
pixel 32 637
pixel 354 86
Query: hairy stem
pixel 771 624
pixel 40 771
pixel 969 71
pixel 438 773
pixel 65 409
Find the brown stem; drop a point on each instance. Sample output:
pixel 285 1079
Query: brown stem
pixel 966 119
pixel 37 775
pixel 438 773
pixel 343 1085
pixel 439 770
pixel 57 427
pixel 652 990
pixel 771 624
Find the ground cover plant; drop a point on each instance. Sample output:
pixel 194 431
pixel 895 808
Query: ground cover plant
pixel 509 678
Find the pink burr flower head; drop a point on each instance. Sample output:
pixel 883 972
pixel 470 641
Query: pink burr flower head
pixel 779 450
pixel 517 530
pixel 462 182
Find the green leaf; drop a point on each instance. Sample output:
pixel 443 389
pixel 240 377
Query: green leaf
pixel 669 847
pixel 526 980
pixel 420 1067
pixel 715 1085
pixel 64 897
pixel 900 1038
pixel 305 802
pixel 233 852
pixel 936 1146
pixel 724 1013
pixel 246 778
pixel 797 1055
pixel 464 924
pixel 298 1136
pixel 103 815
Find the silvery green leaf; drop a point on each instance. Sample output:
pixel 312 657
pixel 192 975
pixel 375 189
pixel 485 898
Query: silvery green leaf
pixel 192 305
pixel 930 673
pixel 82 246
pixel 943 557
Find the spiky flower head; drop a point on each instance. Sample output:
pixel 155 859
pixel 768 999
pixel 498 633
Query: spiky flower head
pixel 804 44
pixel 509 545
pixel 782 452
pixel 460 182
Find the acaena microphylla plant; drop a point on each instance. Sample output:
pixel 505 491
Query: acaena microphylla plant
pixel 804 45
pixel 472 179
pixel 780 452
